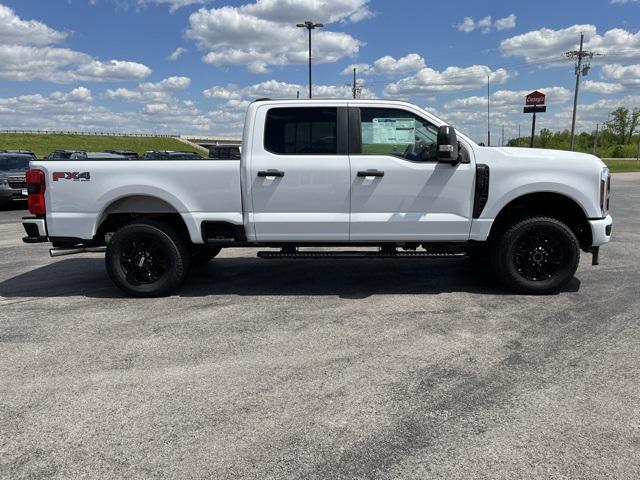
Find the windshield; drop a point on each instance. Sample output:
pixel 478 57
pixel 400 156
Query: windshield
pixel 14 163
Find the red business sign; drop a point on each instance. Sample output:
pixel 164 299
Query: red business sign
pixel 535 98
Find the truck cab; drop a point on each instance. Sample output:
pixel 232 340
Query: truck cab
pixel 333 173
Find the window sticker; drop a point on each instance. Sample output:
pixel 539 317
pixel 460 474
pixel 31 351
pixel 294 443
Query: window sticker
pixel 394 130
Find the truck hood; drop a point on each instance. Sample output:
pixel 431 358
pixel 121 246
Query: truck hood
pixel 533 154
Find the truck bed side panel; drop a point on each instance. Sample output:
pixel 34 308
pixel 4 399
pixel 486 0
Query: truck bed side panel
pixel 198 190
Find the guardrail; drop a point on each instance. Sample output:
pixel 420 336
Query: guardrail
pixel 96 134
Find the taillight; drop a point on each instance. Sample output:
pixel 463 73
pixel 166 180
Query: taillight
pixel 35 190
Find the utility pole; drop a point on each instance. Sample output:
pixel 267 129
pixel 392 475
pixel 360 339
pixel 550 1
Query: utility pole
pixel 309 26
pixel 595 141
pixel 519 141
pixel 354 82
pixel 578 55
pixel 502 135
pixel 488 114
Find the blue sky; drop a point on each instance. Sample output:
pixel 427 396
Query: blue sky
pixel 106 65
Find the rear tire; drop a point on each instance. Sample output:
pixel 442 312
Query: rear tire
pixel 537 255
pixel 147 258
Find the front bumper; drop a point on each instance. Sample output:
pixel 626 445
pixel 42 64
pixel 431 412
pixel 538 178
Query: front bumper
pixel 36 229
pixel 601 230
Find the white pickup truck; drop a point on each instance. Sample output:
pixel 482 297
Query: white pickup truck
pixel 330 173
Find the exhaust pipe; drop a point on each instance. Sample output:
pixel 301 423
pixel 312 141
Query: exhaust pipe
pixel 59 252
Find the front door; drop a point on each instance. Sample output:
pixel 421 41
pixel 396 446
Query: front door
pixel 398 190
pixel 299 175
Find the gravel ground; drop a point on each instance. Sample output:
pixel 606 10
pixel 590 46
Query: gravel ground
pixel 320 369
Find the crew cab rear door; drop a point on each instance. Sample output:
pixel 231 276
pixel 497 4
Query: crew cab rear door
pixel 395 194
pixel 299 173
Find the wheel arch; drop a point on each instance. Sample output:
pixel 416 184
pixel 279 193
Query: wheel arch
pixel 126 208
pixel 545 203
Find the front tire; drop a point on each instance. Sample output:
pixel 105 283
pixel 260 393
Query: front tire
pixel 536 256
pixel 147 259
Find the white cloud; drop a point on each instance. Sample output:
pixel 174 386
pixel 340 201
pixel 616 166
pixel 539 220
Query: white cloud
pixel 615 45
pixel 508 100
pixel 15 31
pixel 111 71
pixel 470 113
pixel 628 75
pixel 388 65
pixel 177 53
pixel 27 53
pixel 79 94
pixel 485 24
pixel 75 111
pixel 506 23
pixel 605 88
pixel 168 84
pixel 222 93
pixel 159 92
pixel 467 25
pixel 428 81
pixel 173 4
pixel 237 99
pixel 57 102
pixel 263 34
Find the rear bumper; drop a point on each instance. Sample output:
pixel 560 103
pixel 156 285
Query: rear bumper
pixel 36 229
pixel 601 230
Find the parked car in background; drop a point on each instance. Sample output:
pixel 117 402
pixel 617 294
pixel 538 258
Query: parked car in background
pixel 130 154
pixel 60 154
pixel 170 155
pixel 13 183
pixel 21 152
pixel 225 152
pixel 82 155
pixel 96 156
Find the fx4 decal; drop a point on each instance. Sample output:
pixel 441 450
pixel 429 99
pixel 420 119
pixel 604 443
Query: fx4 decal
pixel 75 176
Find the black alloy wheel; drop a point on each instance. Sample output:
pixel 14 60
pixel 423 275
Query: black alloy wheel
pixel 538 255
pixel 147 258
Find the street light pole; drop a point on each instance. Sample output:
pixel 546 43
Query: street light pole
pixel 309 26
pixel 488 113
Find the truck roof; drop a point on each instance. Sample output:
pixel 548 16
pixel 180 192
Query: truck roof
pixel 332 100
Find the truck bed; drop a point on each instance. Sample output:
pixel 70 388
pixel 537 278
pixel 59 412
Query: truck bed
pixel 80 193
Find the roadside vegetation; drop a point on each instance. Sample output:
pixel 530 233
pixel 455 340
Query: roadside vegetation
pixel 618 138
pixel 43 144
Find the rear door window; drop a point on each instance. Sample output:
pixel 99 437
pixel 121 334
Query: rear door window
pixel 301 131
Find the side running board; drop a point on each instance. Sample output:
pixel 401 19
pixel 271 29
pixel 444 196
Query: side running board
pixel 359 254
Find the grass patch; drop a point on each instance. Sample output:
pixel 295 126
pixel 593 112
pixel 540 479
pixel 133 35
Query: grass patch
pixel 43 144
pixel 620 166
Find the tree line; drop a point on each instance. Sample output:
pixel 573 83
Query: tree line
pixel 618 137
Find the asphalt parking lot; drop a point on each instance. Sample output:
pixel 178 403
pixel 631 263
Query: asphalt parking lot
pixel 320 369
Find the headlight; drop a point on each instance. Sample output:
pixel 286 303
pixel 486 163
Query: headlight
pixel 4 182
pixel 605 189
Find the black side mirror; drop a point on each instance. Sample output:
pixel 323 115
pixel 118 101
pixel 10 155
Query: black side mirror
pixel 447 145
